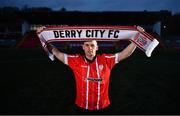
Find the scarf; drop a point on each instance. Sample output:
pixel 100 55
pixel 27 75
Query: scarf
pixel 142 39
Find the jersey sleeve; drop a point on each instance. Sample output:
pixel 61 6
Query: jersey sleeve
pixel 71 60
pixel 111 59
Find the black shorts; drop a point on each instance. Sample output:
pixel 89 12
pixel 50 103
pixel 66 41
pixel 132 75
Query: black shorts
pixel 79 110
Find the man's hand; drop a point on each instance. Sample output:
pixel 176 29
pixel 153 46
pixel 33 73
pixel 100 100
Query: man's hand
pixel 39 29
pixel 140 29
pixel 47 45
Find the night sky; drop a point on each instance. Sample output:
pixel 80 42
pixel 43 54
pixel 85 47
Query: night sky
pixel 98 5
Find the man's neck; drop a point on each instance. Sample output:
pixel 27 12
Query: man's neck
pixel 90 59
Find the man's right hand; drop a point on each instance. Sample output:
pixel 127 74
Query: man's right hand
pixel 47 45
pixel 39 29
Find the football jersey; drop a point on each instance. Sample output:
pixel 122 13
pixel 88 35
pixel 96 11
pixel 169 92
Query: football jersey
pixel 92 79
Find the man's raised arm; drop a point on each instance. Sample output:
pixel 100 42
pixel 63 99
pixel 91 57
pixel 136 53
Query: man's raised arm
pixel 59 55
pixel 127 51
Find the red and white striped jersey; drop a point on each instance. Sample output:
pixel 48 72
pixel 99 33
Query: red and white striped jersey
pixel 92 79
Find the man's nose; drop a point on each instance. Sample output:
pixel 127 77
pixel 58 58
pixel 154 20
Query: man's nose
pixel 89 47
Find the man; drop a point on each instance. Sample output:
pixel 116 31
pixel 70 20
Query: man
pixel 92 72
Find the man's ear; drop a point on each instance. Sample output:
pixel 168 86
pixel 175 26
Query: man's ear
pixel 97 47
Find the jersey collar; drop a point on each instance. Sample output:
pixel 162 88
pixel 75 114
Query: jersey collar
pixel 90 61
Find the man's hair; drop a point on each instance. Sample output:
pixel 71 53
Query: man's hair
pixel 91 41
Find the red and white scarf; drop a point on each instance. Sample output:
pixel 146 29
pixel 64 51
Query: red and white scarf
pixel 143 40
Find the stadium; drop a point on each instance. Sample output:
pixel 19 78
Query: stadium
pixel 32 84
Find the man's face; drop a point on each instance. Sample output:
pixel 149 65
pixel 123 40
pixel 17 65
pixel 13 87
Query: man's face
pixel 90 48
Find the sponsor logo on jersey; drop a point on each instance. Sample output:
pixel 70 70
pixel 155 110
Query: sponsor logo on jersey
pixel 95 79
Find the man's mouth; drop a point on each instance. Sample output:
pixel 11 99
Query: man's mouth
pixel 90 52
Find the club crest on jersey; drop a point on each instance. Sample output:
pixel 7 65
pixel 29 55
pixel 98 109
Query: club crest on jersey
pixel 101 67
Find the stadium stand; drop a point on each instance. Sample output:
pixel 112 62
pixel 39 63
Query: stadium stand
pixel 17 32
pixel 29 40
